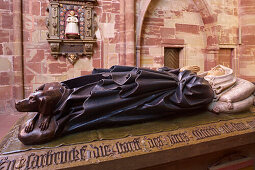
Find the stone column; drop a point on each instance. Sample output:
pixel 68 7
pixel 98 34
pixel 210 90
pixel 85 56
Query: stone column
pixel 130 32
pixel 246 48
pixel 144 4
pixel 122 59
pixel 127 32
pixel 18 84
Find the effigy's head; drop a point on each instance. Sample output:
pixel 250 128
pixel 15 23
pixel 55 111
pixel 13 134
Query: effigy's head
pixel 217 71
pixel 72 13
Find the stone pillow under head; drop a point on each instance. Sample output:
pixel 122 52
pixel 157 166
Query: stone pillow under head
pixel 236 99
pixel 236 107
pixel 240 91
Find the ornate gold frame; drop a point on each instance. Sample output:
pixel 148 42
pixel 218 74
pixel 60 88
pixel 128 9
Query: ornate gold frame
pixel 71 48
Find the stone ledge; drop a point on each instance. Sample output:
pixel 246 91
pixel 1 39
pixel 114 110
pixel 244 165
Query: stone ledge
pixel 135 152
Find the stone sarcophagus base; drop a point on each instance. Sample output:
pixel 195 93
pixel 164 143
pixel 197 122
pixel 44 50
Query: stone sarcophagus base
pixel 174 142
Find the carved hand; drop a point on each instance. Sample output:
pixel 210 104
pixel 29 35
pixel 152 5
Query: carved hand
pixel 193 68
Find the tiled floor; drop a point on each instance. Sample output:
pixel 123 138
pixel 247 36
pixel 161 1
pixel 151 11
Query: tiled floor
pixel 7 121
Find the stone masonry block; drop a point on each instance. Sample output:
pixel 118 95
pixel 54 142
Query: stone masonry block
pixel 32 68
pixel 247 2
pixel 17 92
pixel 5 92
pixel 5 64
pixel 167 32
pixel 57 68
pixel 36 8
pixel 5 78
pixel 35 55
pixel 4 34
pixel 7 20
pixel 155 51
pixel 193 29
pixel 96 63
pixel 154 21
pixel 4 4
pixel 248 39
pixel 108 29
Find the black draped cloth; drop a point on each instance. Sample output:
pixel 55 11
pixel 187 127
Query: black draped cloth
pixel 125 94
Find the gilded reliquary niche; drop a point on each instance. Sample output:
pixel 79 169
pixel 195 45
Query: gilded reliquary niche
pixel 71 26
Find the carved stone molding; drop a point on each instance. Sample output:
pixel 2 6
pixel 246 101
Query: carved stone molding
pixel 71 25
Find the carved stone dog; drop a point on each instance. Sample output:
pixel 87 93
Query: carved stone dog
pixel 43 101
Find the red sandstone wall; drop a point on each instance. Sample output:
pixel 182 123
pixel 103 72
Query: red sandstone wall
pixel 247 48
pixel 200 27
pixel 172 23
pixel 10 55
pixel 41 67
pixel 115 45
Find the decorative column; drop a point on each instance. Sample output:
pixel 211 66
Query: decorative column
pixel 122 55
pixel 130 32
pixel 127 32
pixel 18 66
pixel 139 24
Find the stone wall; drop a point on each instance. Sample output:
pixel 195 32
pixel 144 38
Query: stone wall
pixel 41 67
pixel 200 27
pixel 247 47
pixel 10 55
pixel 172 23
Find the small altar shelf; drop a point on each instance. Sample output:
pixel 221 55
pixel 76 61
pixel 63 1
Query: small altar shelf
pixel 190 140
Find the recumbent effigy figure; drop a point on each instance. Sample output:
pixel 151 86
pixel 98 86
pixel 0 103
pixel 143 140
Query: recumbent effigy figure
pixel 115 96
pixel 232 94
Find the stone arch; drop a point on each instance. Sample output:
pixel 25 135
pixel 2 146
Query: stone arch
pixel 139 25
pixel 208 18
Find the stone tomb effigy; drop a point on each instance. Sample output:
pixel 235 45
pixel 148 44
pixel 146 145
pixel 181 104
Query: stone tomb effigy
pixel 134 146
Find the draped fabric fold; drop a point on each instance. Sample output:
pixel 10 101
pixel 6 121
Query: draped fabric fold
pixel 124 94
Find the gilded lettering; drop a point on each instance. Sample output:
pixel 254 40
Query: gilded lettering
pixel 82 152
pixel 239 126
pixel 74 155
pixel 28 165
pixel 205 132
pixel 130 146
pixel 227 128
pixel 178 138
pixel 35 162
pixel 43 160
pixel 49 158
pixel 198 134
pixel 251 123
pixel 63 157
pixel 95 152
pixel 155 142
pixel 10 164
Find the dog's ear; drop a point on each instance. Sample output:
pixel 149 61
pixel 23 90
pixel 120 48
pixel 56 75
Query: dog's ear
pixel 45 105
pixel 48 100
pixel 40 88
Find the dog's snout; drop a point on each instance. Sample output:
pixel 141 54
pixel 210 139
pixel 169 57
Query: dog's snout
pixel 17 102
pixel 17 105
pixel 26 105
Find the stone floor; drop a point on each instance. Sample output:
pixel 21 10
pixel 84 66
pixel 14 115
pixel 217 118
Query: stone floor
pixel 7 121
